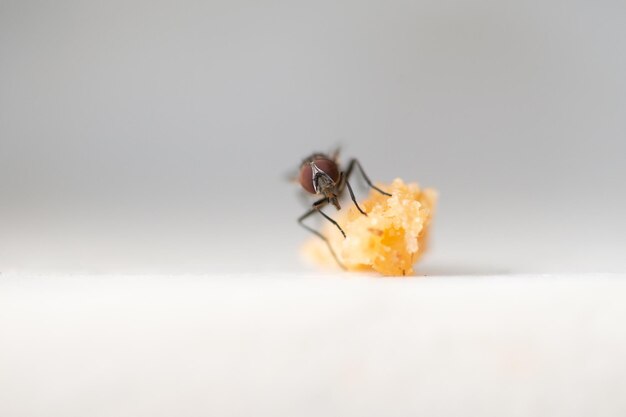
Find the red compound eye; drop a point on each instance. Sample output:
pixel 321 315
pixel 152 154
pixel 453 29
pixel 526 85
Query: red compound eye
pixel 306 179
pixel 306 173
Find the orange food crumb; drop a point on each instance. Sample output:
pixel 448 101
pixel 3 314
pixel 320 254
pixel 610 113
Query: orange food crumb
pixel 390 239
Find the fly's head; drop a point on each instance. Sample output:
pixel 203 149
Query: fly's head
pixel 324 184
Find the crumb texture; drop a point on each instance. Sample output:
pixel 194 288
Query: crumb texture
pixel 390 239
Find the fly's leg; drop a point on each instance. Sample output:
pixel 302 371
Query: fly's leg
pixel 317 206
pixel 351 165
pixel 344 183
pixel 353 198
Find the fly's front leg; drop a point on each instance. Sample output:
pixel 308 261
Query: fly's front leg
pixel 317 206
pixel 344 183
pixel 351 165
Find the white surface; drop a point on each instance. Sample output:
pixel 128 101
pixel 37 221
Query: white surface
pixel 312 345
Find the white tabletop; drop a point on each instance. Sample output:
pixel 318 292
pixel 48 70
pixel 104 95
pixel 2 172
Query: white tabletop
pixel 312 345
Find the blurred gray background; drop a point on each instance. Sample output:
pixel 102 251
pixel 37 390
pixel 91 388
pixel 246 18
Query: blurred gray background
pixel 155 136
